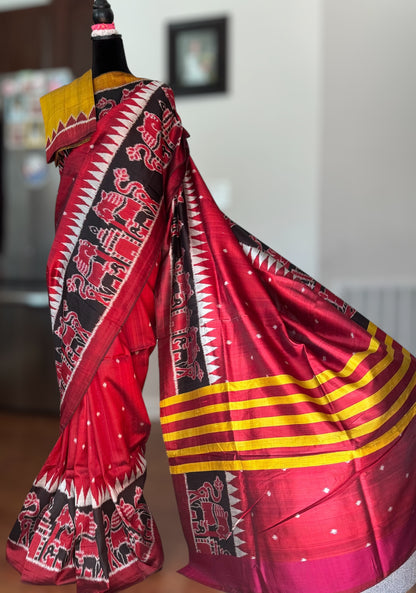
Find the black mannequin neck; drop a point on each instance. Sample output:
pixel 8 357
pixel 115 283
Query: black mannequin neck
pixel 108 55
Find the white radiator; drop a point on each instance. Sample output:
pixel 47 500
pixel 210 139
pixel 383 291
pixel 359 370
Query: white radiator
pixel 391 307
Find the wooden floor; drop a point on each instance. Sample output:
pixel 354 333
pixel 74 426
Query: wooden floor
pixel 25 442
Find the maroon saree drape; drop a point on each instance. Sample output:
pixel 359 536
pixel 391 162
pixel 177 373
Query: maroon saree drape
pixel 288 418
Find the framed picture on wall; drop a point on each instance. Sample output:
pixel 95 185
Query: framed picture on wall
pixel 197 56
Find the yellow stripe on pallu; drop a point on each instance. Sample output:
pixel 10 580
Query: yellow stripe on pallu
pixel 262 382
pixel 295 398
pixel 295 419
pixel 301 460
pixel 316 440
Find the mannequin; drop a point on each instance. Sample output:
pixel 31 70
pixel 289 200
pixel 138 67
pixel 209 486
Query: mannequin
pixel 107 45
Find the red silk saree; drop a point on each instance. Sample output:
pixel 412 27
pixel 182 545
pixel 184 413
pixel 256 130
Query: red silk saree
pixel 288 417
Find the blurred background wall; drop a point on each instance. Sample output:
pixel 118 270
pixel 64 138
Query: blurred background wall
pixel 368 148
pixel 312 148
pixel 368 140
pixel 259 142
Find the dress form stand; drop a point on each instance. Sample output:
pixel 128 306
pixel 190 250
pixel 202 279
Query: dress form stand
pixel 107 45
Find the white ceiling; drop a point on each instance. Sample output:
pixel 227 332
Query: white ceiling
pixel 16 4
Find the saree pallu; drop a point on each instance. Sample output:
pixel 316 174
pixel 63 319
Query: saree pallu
pixel 288 418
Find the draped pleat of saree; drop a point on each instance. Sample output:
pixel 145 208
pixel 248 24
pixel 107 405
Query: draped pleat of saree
pixel 288 418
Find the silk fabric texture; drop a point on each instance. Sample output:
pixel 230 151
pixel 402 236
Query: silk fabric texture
pixel 288 418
